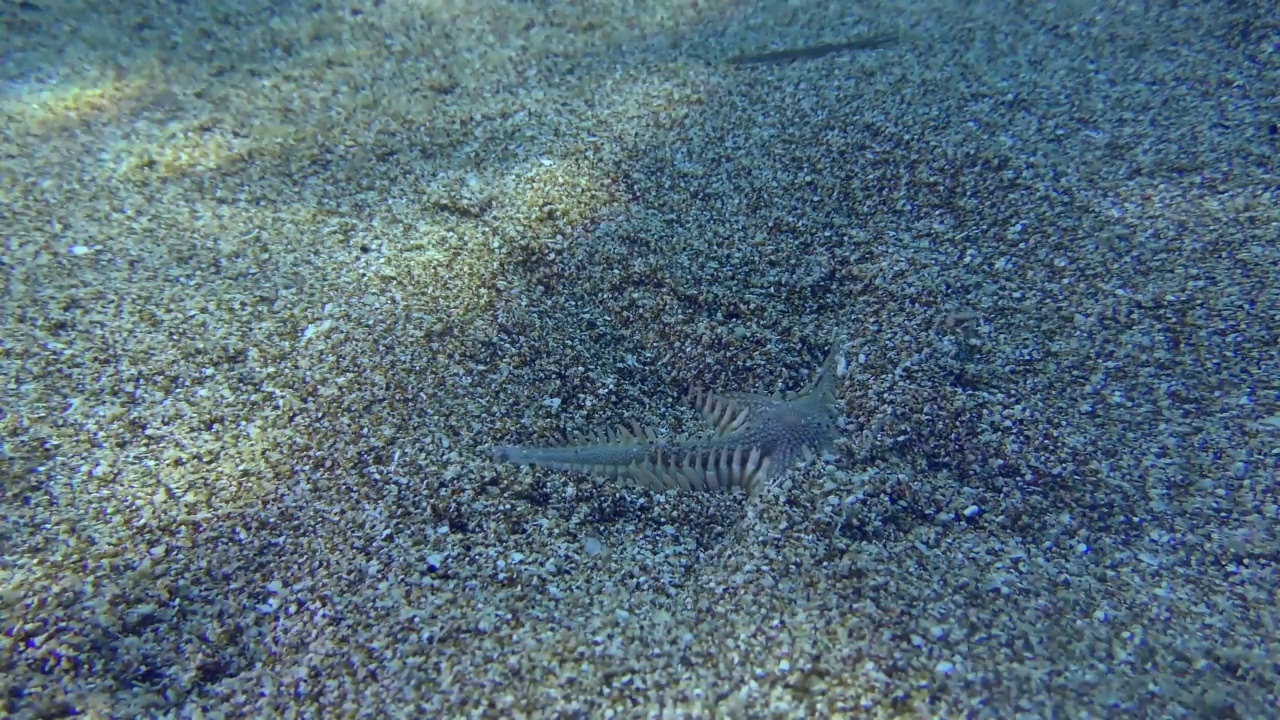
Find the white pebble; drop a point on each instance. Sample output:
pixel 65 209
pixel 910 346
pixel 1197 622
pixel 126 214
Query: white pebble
pixel 318 329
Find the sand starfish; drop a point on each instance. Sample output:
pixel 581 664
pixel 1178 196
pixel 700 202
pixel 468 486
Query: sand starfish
pixel 756 438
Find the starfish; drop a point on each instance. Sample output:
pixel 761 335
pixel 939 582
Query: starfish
pixel 755 438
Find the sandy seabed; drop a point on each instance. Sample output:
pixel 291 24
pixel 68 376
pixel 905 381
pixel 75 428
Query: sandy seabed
pixel 277 275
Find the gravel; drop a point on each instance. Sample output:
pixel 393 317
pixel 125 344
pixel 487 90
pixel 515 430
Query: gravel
pixel 277 275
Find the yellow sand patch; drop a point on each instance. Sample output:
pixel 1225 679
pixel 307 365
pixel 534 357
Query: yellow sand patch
pixel 39 105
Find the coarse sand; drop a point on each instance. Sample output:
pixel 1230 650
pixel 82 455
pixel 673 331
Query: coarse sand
pixel 276 275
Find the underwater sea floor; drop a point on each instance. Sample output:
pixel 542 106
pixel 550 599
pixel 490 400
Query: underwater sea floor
pixel 279 276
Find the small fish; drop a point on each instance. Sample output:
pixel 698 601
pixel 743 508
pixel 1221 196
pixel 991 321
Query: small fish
pixel 812 52
pixel 755 438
